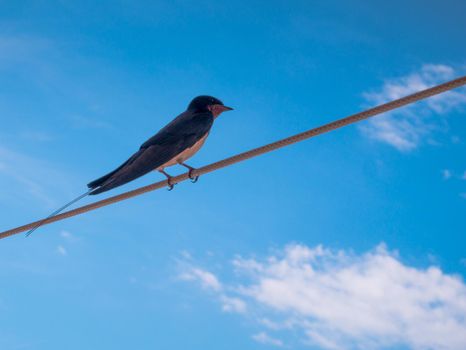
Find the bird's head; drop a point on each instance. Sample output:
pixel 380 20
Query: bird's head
pixel 208 103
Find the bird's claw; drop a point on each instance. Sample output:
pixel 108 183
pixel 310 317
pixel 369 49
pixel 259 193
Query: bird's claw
pixel 191 177
pixel 170 184
pixel 190 172
pixel 169 180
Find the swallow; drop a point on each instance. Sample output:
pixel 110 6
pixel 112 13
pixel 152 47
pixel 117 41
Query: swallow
pixel 175 143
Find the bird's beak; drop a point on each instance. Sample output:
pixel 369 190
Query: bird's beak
pixel 226 108
pixel 218 109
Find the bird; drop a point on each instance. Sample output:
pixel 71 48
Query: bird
pixel 174 144
pixel 178 141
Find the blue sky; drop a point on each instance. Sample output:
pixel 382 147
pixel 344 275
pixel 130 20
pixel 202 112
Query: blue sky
pixel 351 240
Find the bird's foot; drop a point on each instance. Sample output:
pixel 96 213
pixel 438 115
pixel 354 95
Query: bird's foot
pixel 190 172
pixel 170 184
pixel 192 178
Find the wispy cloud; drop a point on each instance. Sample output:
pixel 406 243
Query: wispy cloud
pixel 61 250
pixel 209 282
pixel 264 338
pixel 456 176
pixel 406 128
pixel 68 237
pixel 207 279
pixel 66 234
pixel 341 300
pixel 233 304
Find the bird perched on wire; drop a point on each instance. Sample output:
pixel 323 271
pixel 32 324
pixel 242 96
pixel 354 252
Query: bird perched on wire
pixel 174 144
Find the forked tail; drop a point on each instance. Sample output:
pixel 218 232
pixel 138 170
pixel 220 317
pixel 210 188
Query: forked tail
pixel 39 224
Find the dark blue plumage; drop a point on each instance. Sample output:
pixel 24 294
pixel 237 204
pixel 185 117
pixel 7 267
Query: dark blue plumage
pixel 179 135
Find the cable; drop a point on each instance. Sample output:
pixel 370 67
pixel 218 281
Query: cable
pixel 250 154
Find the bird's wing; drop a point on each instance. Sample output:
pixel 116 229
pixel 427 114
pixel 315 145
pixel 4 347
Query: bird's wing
pixel 182 133
pixel 185 124
pixel 101 180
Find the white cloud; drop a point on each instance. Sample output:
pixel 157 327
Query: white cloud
pixel 61 250
pixel 207 279
pixel 66 234
pixel 210 282
pixel 341 300
pixel 405 128
pixel 68 237
pixel 232 304
pixel 264 338
pixel 288 324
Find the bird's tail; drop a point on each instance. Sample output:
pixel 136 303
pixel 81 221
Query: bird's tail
pixel 40 223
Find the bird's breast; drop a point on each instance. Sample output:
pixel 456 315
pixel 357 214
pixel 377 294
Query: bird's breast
pixel 186 154
pixel 189 152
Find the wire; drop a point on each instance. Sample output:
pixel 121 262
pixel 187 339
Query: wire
pixel 249 154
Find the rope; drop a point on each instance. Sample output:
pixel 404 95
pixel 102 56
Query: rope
pixel 250 154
